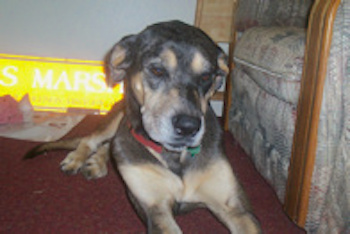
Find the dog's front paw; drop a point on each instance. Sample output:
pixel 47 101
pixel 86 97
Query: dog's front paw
pixel 72 163
pixel 95 167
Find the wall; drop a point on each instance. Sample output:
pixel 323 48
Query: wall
pixel 80 29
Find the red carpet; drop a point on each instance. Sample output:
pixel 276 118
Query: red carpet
pixel 36 197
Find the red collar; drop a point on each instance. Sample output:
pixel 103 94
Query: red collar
pixel 157 147
pixel 153 145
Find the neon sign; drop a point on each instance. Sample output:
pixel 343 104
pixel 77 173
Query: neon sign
pixel 57 84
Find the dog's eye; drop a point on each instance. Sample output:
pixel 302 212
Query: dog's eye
pixel 206 80
pixel 157 71
pixel 206 77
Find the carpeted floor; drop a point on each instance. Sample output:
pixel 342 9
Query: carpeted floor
pixel 36 197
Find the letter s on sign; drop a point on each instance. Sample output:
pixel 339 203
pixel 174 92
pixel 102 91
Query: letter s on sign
pixel 7 73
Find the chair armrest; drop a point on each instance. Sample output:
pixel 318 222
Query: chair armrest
pixel 319 36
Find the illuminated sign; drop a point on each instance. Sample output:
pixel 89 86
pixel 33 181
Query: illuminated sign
pixel 57 84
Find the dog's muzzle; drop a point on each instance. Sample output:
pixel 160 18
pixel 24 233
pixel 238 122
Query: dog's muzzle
pixel 187 132
pixel 186 125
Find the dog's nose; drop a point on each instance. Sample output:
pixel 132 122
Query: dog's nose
pixel 186 125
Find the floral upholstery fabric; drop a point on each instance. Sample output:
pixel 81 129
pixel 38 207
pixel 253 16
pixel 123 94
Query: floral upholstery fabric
pixel 266 82
pixel 263 125
pixel 273 58
pixel 272 13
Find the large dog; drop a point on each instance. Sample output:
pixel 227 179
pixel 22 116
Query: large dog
pixel 164 136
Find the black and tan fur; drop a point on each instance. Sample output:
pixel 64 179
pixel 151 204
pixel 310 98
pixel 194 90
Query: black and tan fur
pixel 170 71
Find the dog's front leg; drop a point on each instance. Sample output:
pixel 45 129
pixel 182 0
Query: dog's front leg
pixel 154 190
pixel 236 218
pixel 217 187
pixel 96 166
pixel 160 220
pixel 93 144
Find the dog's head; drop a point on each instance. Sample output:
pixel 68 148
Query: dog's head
pixel 171 70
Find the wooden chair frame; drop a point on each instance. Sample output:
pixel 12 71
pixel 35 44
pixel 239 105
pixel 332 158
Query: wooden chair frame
pixel 216 18
pixel 319 36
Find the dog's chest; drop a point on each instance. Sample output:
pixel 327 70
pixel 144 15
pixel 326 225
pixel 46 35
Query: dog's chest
pixel 177 163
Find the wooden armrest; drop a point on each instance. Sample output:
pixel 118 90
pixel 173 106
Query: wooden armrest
pixel 301 167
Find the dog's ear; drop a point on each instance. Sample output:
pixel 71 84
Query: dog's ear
pixel 222 70
pixel 120 59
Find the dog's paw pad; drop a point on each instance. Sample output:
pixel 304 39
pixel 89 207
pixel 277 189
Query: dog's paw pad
pixel 71 164
pixel 94 169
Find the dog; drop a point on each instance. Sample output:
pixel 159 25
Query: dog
pixel 163 136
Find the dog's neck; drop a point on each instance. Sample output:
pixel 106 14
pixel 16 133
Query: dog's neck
pixel 146 141
pixel 149 143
